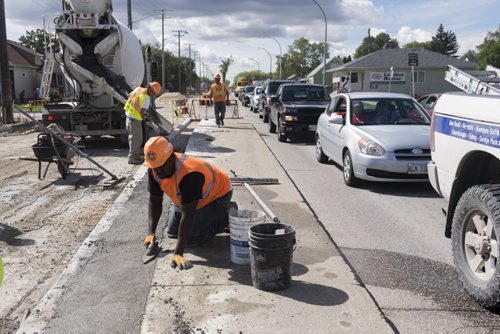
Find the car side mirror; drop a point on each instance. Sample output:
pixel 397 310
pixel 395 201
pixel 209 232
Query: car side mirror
pixel 336 119
pixel 274 99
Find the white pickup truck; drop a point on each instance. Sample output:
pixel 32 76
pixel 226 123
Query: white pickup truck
pixel 465 170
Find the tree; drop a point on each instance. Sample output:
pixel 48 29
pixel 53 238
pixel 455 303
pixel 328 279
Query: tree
pixel 470 55
pixel 489 51
pixel 252 76
pixel 171 73
pixel 346 59
pixel 302 57
pixel 415 45
pixel 381 41
pixel 445 42
pixel 224 66
pixel 35 40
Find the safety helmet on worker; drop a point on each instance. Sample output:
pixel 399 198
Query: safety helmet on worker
pixel 157 151
pixel 217 76
pixel 155 87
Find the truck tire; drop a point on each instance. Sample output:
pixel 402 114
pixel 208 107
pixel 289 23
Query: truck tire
pixel 281 136
pixel 272 126
pixel 475 243
pixel 266 116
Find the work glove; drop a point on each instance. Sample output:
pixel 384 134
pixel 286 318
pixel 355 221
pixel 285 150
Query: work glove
pixel 180 261
pixel 150 239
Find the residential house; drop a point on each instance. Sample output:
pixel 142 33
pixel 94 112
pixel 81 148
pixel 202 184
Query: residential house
pixel 388 70
pixel 316 75
pixel 25 70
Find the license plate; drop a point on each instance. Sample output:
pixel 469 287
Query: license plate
pixel 415 168
pixel 312 127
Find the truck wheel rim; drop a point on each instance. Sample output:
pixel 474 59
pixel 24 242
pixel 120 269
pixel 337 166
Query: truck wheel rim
pixel 480 246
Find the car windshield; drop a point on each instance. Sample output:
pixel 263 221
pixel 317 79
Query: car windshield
pixel 383 111
pixel 249 89
pixel 304 93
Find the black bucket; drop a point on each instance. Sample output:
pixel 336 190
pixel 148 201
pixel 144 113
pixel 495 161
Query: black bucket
pixel 271 255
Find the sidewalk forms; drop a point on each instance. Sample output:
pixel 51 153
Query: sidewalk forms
pixel 215 296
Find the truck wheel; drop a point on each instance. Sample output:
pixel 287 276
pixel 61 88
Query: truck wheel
pixel 272 126
pixel 281 136
pixel 349 178
pixel 320 156
pixel 475 244
pixel 266 116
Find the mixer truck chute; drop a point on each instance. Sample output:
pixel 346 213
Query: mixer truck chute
pixel 102 60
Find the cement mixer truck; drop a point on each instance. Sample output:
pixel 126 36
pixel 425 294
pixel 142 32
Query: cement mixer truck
pixel 102 60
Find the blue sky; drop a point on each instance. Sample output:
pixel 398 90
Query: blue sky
pixel 239 28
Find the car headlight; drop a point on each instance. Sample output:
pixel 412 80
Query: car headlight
pixel 289 118
pixel 369 147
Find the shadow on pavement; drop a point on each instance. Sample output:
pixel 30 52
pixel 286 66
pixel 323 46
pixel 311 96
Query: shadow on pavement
pixel 314 294
pixel 9 235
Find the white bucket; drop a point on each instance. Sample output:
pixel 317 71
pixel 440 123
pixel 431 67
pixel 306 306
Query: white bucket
pixel 239 225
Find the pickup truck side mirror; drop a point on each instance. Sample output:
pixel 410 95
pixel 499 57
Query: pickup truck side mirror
pixel 274 99
pixel 336 119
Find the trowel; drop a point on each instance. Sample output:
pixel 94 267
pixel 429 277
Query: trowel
pixel 152 252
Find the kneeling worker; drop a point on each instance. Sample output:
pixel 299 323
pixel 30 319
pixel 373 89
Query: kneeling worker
pixel 200 194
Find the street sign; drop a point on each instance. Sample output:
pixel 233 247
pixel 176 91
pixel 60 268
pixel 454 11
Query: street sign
pixel 412 59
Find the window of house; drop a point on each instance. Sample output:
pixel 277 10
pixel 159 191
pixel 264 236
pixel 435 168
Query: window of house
pixel 419 77
pixel 354 77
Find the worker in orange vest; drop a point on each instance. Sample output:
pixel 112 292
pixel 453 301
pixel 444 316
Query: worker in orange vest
pixel 138 102
pixel 219 93
pixel 200 193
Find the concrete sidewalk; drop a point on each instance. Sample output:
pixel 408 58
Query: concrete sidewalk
pixel 106 287
pixel 218 296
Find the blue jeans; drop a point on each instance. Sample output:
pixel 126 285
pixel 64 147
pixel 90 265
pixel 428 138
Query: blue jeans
pixel 219 108
pixel 208 221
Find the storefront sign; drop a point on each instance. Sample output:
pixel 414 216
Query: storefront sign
pixel 385 77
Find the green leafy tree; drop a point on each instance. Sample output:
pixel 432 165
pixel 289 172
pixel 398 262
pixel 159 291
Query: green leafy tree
pixel 171 73
pixel 252 76
pixel 224 66
pixel 415 45
pixel 35 40
pixel 381 41
pixel 445 42
pixel 470 55
pixel 489 51
pixel 346 59
pixel 302 57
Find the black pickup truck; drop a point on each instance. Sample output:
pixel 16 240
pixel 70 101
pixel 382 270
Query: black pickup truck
pixel 295 110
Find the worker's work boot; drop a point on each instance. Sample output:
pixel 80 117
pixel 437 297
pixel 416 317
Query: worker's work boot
pixel 133 161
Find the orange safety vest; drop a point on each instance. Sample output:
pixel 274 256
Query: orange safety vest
pixel 134 103
pixel 218 91
pixel 216 185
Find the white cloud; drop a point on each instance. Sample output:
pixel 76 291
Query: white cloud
pixel 362 12
pixel 407 34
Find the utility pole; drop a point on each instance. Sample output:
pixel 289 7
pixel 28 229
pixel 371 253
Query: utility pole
pixel 163 11
pixel 190 69
pixel 180 33
pixel 195 55
pixel 129 13
pixel 7 115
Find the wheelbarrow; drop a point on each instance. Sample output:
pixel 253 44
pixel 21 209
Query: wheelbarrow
pixel 49 148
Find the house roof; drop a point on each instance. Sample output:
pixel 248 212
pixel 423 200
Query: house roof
pixel 398 58
pixel 20 55
pixel 330 64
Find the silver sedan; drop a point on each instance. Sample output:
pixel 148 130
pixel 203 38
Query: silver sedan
pixel 375 136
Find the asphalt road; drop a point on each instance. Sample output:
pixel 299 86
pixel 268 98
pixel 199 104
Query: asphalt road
pixel 392 235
